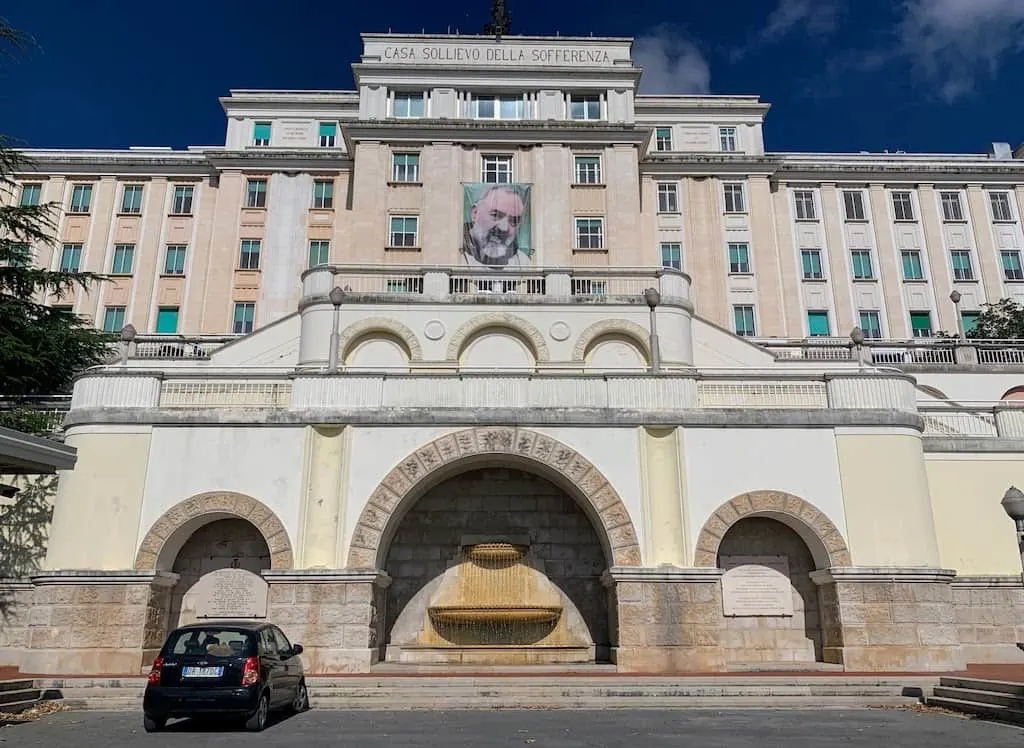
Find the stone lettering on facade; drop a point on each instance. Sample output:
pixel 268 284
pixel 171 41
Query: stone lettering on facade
pixel 497 54
pixel 295 132
pixel 756 586
pixel 227 593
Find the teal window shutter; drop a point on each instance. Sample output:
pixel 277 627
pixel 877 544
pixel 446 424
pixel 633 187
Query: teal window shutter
pixel 817 324
pixel 328 129
pixel 167 320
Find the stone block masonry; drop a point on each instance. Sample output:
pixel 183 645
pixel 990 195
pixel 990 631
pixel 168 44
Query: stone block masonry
pixel 989 616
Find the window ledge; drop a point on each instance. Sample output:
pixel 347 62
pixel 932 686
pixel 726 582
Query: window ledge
pixel 904 220
pixel 962 221
pixel 180 215
pixel 126 214
pixel 247 270
pixel 590 249
pixel 390 248
pixel 669 212
pixel 736 213
pixel 1005 221
pixel 872 279
pixel 864 221
pixel 255 207
pixel 915 280
pixel 807 220
pixel 399 183
pixel 589 185
pixel 1014 280
pixel 814 280
pixel 172 275
pixel 328 211
pixel 741 275
pixel 119 275
pixel 967 280
pixel 78 212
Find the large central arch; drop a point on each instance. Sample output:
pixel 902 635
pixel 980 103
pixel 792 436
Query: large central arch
pixel 459 451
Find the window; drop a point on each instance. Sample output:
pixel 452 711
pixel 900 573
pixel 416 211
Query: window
pixel 861 260
pixel 496 170
pixel 31 194
pixel 71 258
pixel 131 198
pixel 854 204
pixel 404 231
pixel 589 287
pixel 328 134
pixel 1012 270
pixel 113 318
pixel 405 167
pixel 590 233
pixel 323 194
pixel 970 321
pixel 1001 210
pixel 497 107
pixel 319 252
pixel 804 200
pixel 585 107
pixel 167 320
pixel 921 324
pixel 409 105
pixel 743 317
pixel 414 285
pixel 261 134
pixel 588 170
pixel 174 259
pixel 668 198
pixel 249 256
pixel 734 202
pixel 663 139
pixel 727 138
pixel 902 206
pixel 912 269
pixel 817 324
pixel 810 260
pixel 256 193
pixel 671 255
pixel 81 198
pixel 962 270
pixel 124 254
pixel 182 203
pixel 245 315
pixel 871 324
pixel 952 210
pixel 739 258
pixel 19 255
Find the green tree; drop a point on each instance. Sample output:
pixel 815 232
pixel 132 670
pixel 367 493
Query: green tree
pixel 1003 320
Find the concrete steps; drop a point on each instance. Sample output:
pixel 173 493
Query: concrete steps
pixel 992 699
pixel 18 695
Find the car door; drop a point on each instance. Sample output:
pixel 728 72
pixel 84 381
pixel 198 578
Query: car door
pixel 276 677
pixel 292 663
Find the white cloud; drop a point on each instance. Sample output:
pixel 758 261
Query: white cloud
pixel 817 17
pixel 672 63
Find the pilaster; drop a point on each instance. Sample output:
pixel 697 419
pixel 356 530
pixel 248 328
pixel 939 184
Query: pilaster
pixel 323 506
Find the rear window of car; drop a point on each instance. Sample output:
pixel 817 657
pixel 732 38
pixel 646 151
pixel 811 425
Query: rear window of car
pixel 211 642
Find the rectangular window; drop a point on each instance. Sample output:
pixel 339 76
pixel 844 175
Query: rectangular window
pixel 182 203
pixel 902 206
pixel 668 198
pixel 734 200
pixel 249 256
pixel 921 324
pixel 496 170
pixel 585 107
pixel 323 194
pixel 328 134
pixel 970 320
pixel 663 139
pixel 671 255
pixel 31 195
pixel 912 269
pixel 853 202
pixel 962 269
pixel 245 316
pixel 131 198
pixel 404 231
pixel 405 167
pixel 810 260
pixel 113 318
pixel 497 107
pixel 261 134
pixel 817 324
pixel 952 210
pixel 19 255
pixel 743 317
pixel 174 259
pixel 861 261
pixel 590 233
pixel 588 170
pixel 319 252
pixel 408 105
pixel 871 324
pixel 81 198
pixel 124 255
pixel 739 258
pixel 1012 269
pixel 256 193
pixel 71 258
pixel 1001 210
pixel 804 200
pixel 727 139
pixel 167 320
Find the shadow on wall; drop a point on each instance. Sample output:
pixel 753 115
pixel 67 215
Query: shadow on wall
pixel 24 530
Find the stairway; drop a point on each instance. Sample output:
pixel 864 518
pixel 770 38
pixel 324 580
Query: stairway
pixel 18 695
pixel 994 699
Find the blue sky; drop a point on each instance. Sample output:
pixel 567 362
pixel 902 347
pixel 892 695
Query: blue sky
pixel 842 75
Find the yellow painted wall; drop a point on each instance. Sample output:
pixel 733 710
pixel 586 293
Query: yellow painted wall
pixel 975 536
pixel 324 497
pixel 664 497
pixel 99 503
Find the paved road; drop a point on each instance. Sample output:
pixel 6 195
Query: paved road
pixel 540 729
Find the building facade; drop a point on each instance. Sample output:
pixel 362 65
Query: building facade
pixel 494 360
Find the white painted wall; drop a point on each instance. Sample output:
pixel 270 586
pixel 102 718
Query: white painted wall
pixel 971 387
pixel 285 247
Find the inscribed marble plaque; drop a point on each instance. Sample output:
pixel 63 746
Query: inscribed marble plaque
pixel 756 586
pixel 227 593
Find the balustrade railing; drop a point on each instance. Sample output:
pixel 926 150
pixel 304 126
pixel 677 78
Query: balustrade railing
pixel 919 352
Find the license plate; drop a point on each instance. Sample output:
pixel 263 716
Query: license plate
pixel 202 672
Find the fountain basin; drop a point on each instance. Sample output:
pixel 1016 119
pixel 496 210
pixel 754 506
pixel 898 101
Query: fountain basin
pixel 495 615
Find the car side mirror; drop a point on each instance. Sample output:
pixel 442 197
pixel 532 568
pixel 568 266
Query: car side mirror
pixel 296 649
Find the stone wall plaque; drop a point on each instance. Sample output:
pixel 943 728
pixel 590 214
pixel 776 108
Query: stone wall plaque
pixel 227 593
pixel 756 586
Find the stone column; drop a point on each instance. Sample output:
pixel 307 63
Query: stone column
pixel 323 504
pixel 664 482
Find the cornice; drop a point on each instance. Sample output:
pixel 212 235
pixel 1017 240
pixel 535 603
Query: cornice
pixel 284 159
pixel 116 162
pixel 706 164
pixel 511 133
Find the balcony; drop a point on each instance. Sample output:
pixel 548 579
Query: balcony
pixel 920 352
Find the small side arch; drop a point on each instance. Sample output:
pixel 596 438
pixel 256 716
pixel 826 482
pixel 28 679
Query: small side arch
pixel 631 330
pixel 358 331
pixel 497 320
pixel 1014 393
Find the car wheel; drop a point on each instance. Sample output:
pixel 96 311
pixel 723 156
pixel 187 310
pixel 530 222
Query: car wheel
pixel 301 701
pixel 258 720
pixel 153 724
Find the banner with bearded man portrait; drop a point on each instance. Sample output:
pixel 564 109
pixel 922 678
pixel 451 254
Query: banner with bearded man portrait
pixel 496 225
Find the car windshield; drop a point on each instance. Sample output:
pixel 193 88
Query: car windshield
pixel 213 641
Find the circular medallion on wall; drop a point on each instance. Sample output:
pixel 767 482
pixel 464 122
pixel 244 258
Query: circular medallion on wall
pixel 560 331
pixel 434 329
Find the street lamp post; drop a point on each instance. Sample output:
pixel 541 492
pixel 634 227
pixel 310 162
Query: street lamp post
pixel 1013 503
pixel 955 298
pixel 336 296
pixel 653 298
pixel 857 338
